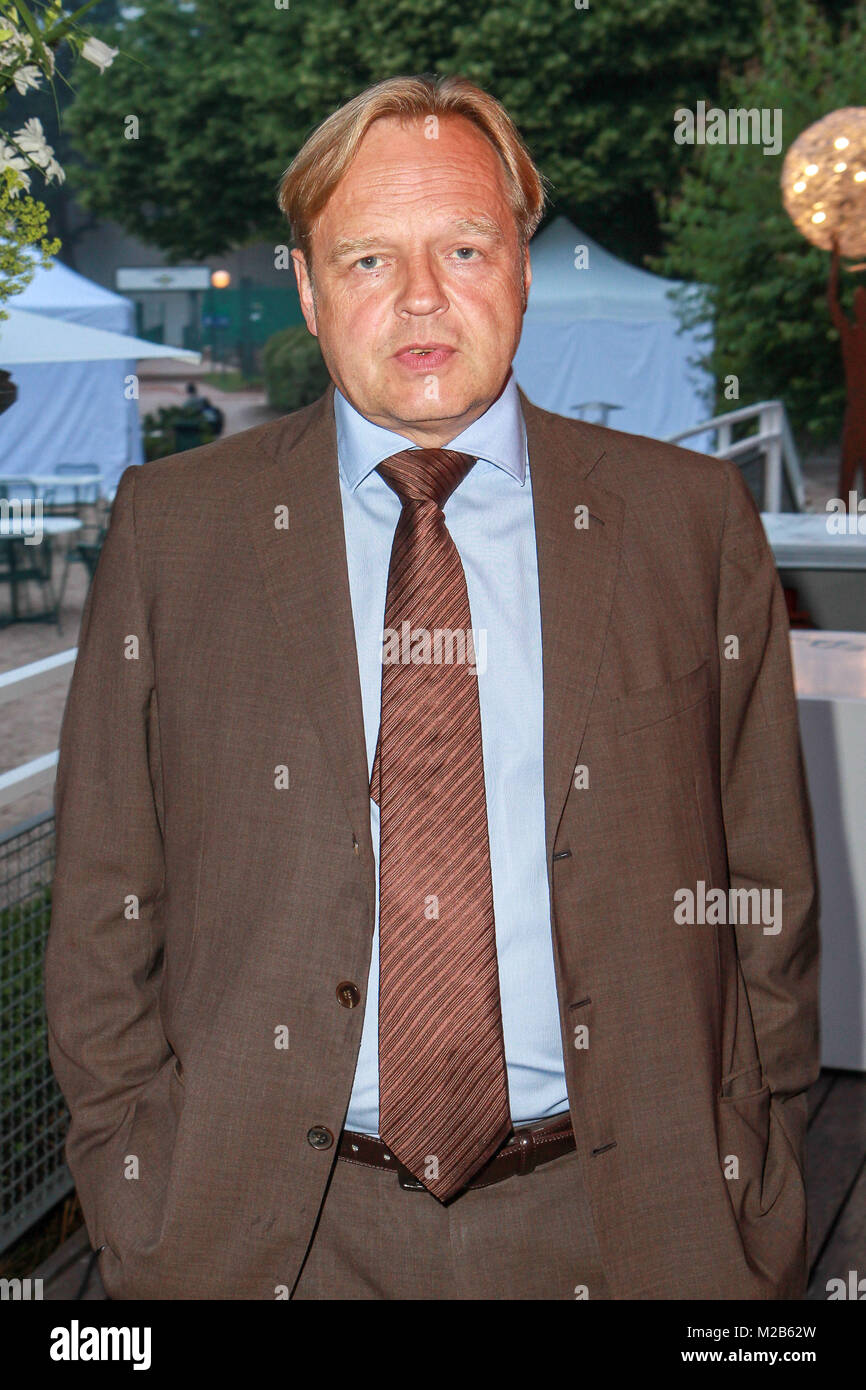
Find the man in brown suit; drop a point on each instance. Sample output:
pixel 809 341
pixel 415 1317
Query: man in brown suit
pixel 470 978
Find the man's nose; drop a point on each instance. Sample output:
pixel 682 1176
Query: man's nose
pixel 421 291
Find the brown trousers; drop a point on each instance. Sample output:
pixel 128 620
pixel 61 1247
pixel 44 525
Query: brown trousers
pixel 527 1237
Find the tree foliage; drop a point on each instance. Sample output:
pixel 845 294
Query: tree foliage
pixel 726 227
pixel 226 92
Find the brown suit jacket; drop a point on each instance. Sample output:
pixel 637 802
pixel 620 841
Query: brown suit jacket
pixel 198 909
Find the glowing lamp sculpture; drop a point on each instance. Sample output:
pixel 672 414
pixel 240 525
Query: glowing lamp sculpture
pixel 824 192
pixel 824 181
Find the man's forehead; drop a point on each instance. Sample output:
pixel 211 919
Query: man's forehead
pixel 400 178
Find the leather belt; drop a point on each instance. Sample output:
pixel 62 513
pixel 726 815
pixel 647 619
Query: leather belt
pixel 528 1148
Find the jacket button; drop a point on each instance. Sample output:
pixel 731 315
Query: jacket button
pixel 348 994
pixel 319 1137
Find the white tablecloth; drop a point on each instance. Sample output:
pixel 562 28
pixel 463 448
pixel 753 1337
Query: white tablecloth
pixel 802 540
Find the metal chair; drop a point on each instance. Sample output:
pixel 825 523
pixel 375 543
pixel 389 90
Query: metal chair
pixel 21 564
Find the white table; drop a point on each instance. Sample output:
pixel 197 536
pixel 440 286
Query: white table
pixel 827 570
pixel 830 677
pixel 803 540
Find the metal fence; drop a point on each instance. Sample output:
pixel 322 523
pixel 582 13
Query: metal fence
pixel 33 1114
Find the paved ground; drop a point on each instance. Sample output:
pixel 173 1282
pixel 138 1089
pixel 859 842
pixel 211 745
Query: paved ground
pixel 162 384
pixel 30 726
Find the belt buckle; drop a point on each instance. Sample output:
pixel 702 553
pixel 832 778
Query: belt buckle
pixel 408 1180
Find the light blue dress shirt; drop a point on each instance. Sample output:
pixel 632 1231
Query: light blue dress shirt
pixel 490 519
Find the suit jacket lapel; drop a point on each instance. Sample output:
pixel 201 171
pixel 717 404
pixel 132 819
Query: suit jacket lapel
pixel 577 569
pixel 306 576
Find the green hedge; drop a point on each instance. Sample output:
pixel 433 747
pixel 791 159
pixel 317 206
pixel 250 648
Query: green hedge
pixel 295 374
pixel 162 437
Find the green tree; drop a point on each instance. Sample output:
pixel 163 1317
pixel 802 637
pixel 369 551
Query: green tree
pixel 30 34
pixel 764 284
pixel 225 93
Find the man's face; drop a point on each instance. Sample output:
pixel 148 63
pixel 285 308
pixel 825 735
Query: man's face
pixel 418 248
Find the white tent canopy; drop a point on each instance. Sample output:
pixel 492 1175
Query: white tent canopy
pixel 607 333
pixel 71 409
pixel 26 337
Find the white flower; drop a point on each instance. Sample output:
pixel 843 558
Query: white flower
pixel 14 41
pixel 28 76
pixel 99 53
pixel 31 140
pixel 14 37
pixel 11 45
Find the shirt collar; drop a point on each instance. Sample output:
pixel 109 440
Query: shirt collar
pixel 498 436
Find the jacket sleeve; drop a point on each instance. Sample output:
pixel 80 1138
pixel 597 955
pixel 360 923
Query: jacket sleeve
pixel 767 813
pixel 104 955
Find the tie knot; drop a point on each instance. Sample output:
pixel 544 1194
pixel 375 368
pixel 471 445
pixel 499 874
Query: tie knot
pixel 425 475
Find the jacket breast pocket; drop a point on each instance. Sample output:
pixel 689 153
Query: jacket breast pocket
pixel 640 708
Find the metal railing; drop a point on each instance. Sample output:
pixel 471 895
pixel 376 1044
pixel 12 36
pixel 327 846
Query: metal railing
pixel 33 1114
pixel 773 440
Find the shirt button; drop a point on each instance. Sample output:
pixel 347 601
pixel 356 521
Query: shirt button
pixel 319 1137
pixel 348 994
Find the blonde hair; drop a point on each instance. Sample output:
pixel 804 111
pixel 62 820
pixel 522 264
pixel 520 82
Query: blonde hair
pixel 320 164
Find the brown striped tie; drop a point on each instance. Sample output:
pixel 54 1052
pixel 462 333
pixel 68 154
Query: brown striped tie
pixel 443 1090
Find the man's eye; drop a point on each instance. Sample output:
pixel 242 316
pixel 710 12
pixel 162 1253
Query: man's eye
pixel 364 262
pixel 463 253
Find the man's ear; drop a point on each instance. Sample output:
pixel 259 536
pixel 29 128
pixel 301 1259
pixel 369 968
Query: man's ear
pixel 527 276
pixel 305 291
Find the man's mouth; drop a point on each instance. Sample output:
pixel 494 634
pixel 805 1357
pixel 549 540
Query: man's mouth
pixel 428 355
